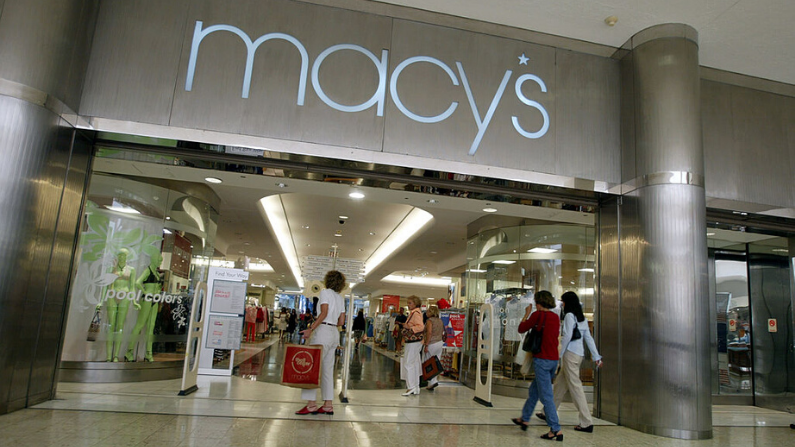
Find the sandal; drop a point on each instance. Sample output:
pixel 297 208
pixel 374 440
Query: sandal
pixel 552 435
pixel 521 423
pixel 306 410
pixel 325 410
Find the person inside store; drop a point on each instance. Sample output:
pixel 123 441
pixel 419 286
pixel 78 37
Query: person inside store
pixel 292 322
pixel 281 323
pixel 571 357
pixel 118 305
pixel 359 325
pixel 412 336
pixel 400 320
pixel 151 283
pixel 433 341
pixel 323 331
pixel 742 336
pixel 544 363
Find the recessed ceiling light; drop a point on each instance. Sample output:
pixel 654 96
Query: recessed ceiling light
pixel 433 201
pixel 308 245
pixel 433 252
pixel 476 271
pixel 490 210
pixel 356 195
pixel 281 185
pixel 155 198
pixel 246 243
pixel 361 249
pixel 542 250
pixel 503 261
pixel 305 227
pixel 710 234
pixel 168 217
pixel 213 180
pixel 167 231
pixel 585 270
pixel 337 235
pixel 372 234
pixel 781 250
pixel 343 217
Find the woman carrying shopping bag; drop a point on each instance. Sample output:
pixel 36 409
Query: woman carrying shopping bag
pixel 324 332
pixel 575 330
pixel 412 338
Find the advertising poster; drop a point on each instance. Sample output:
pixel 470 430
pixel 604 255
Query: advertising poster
pixel 228 297
pixel 225 332
pixel 390 300
pixel 454 325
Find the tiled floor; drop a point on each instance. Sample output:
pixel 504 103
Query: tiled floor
pixel 243 411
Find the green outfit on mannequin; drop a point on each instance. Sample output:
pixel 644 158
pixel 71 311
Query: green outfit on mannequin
pixel 118 305
pixel 151 283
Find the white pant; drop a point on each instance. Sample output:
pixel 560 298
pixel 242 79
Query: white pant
pixel 329 337
pixel 569 381
pixel 412 364
pixel 434 349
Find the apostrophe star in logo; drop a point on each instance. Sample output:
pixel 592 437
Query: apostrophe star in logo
pixel 523 59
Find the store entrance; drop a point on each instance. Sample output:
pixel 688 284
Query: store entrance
pixel 179 209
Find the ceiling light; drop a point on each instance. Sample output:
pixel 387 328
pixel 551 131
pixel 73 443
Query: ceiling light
pixel 710 234
pixel 585 270
pixel 118 207
pixel 424 281
pixel 490 210
pixel 213 180
pixel 343 217
pixel 260 266
pixel 305 227
pixel 273 209
pixel 308 245
pixel 372 234
pixel 411 225
pixel 611 21
pixel 167 231
pixel 356 195
pixel 503 261
pixel 476 271
pixel 281 185
pixel 781 250
pixel 433 201
pixel 542 250
pixel 337 235
pixel 168 217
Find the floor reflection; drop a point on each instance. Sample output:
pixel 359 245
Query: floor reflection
pixel 369 369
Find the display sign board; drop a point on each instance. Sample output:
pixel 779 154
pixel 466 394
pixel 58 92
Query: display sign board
pixel 454 326
pixel 390 300
pixel 772 325
pixel 228 297
pixel 224 332
pixel 732 325
pixel 314 268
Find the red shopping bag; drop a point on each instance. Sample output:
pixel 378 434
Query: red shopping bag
pixel 301 366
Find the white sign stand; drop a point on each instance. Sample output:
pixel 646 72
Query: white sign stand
pixel 206 356
pixel 190 370
pixel 485 348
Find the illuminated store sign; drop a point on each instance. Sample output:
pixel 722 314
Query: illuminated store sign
pixel 457 78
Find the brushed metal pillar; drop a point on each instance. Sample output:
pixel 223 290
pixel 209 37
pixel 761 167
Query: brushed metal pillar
pixel 43 53
pixel 661 334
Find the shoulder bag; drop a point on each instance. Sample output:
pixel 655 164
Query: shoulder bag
pixel 409 336
pixel 532 340
pixel 575 334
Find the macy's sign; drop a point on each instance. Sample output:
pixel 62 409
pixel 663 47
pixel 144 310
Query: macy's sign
pixel 381 66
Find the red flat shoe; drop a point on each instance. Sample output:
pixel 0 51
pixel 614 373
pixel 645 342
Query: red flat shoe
pixel 323 410
pixel 306 410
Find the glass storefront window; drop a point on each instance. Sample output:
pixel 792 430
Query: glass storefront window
pixel 506 267
pixel 131 296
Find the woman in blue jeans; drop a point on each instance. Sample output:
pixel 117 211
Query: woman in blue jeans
pixel 544 363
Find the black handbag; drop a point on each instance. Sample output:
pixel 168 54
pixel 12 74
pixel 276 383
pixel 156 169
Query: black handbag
pixel 576 335
pixel 532 340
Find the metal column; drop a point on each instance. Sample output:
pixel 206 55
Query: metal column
pixel 659 287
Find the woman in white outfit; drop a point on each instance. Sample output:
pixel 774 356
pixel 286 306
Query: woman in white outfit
pixel 324 332
pixel 412 349
pixel 433 340
pixel 571 356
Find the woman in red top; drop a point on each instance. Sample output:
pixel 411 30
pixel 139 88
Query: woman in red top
pixel 544 363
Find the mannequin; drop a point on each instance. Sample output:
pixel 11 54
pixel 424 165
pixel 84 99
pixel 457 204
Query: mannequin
pixel 151 283
pixel 119 304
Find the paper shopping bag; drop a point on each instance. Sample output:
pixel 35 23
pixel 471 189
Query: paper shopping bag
pixel 301 366
pixel 431 368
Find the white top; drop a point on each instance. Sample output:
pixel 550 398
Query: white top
pixel 336 305
pixel 576 346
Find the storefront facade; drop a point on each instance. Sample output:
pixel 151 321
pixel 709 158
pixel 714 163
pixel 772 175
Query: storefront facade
pixel 643 128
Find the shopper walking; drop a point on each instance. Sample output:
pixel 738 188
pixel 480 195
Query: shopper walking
pixel 433 340
pixel 544 363
pixel 359 325
pixel 324 332
pixel 412 341
pixel 574 325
